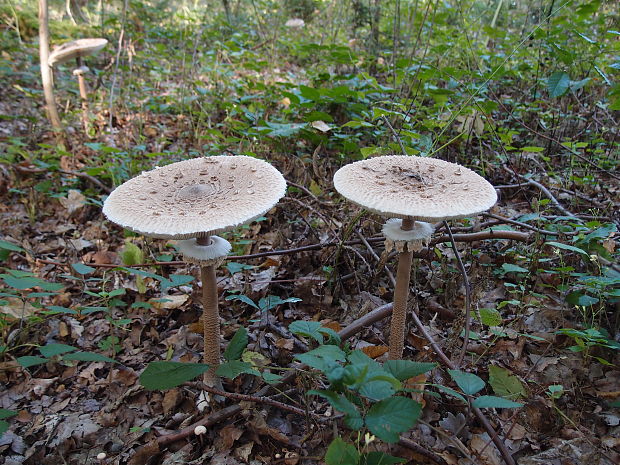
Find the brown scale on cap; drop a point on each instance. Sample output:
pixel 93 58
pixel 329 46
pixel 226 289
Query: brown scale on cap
pixel 196 197
pixel 424 189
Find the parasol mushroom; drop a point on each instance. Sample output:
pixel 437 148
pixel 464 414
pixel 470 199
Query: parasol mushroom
pixel 191 201
pixel 412 191
pixel 77 49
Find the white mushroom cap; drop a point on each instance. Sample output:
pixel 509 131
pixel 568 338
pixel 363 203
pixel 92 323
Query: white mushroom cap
pixel 74 49
pixel 425 189
pixel 195 198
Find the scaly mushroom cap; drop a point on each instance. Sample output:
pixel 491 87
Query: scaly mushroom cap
pixel 425 189
pixel 197 197
pixel 74 49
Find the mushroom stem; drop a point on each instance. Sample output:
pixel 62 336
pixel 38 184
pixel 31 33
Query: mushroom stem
pixel 399 311
pixel 79 72
pixel 211 323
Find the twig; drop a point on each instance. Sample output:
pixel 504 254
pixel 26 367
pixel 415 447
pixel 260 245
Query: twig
pixel 467 294
pixel 376 257
pixel 247 398
pixel 409 444
pixel 470 237
pixel 394 134
pixel 308 192
pixel 543 189
pixel 502 219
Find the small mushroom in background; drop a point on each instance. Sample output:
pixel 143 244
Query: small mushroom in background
pixel 191 201
pixel 77 49
pixel 412 191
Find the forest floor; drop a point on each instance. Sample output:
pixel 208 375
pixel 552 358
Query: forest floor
pixel 521 336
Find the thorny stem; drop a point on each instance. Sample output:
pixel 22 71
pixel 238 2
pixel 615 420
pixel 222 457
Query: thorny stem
pixel 399 314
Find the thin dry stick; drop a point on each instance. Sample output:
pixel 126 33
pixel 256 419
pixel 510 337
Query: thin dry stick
pixel 467 294
pixel 470 237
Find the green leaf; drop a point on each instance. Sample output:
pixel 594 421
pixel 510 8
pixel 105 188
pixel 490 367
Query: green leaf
pixel 323 357
pixel 243 298
pixel 490 317
pixel 237 345
pixel 30 361
pixel 405 369
pixel 380 458
pixel 494 402
pixel 389 417
pixel 558 83
pixel 49 350
pixel 4 413
pixel 309 329
pixel 504 383
pixel 166 375
pixel 9 246
pixel 234 368
pixel 87 357
pixel 272 301
pixel 82 269
pixel 353 418
pixel 468 382
pixel 341 453
pixel 271 378
pixel 572 248
pixel 28 282
pixel 376 390
pixel 234 267
pixel 510 268
pixel 4 426
pixel 131 254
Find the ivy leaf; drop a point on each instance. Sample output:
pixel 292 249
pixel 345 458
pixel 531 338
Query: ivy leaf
pixel 341 453
pixel 468 382
pixel 504 383
pixel 237 345
pixel 494 402
pixel 166 375
pixel 389 417
pixel 558 83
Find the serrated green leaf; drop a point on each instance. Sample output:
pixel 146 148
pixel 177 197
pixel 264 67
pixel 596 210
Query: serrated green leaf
pixel 558 83
pixel 87 357
pixel 31 360
pixel 237 345
pixel 323 357
pixel 167 375
pixel 82 269
pixel 390 417
pixel 309 329
pixel 341 453
pixel 504 383
pixel 376 390
pixel 49 350
pixel 342 404
pixel 405 369
pixel 468 382
pixel 494 402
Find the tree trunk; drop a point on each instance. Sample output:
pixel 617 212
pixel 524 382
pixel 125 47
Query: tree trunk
pixel 46 73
